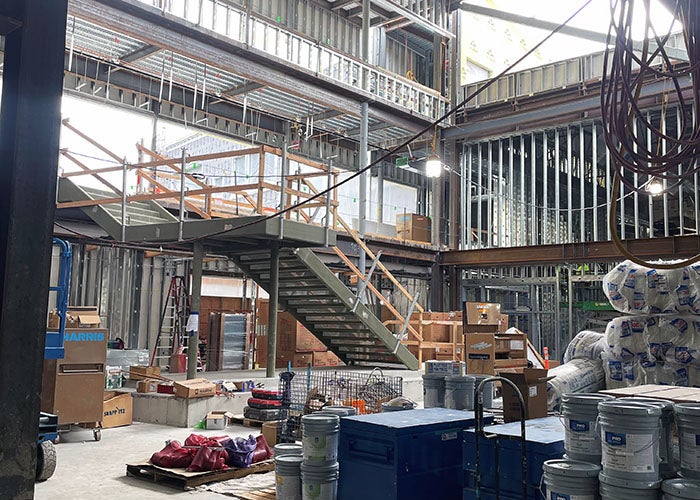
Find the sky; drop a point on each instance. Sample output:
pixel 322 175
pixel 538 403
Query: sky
pixel 513 40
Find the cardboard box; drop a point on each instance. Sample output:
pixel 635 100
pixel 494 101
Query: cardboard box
pixel 489 352
pixel 293 336
pixel 147 385
pixel 326 358
pixel 481 313
pixel 532 383
pixel 195 388
pixel 298 360
pixel 117 409
pixel 218 419
pixel 269 430
pixel 143 372
pixel 413 222
pixel 446 367
pixel 503 324
pixel 76 317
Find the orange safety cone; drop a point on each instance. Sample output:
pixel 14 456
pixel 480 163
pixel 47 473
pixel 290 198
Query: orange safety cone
pixel 546 358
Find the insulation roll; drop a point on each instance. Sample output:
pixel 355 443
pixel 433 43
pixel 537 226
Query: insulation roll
pixel 578 375
pixel 585 345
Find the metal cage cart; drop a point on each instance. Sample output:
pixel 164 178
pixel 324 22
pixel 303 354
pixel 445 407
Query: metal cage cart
pixel 307 392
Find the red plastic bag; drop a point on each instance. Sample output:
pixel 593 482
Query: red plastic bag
pixel 209 458
pixel 262 450
pixel 199 440
pixel 174 455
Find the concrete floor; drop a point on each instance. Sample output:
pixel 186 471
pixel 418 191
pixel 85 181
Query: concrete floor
pixel 87 469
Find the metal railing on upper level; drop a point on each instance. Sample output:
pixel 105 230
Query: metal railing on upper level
pixel 234 22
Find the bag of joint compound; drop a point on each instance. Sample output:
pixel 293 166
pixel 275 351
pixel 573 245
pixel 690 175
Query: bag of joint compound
pixel 585 345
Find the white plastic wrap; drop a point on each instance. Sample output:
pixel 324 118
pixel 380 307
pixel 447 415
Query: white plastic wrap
pixel 636 289
pixel 585 345
pixel 578 375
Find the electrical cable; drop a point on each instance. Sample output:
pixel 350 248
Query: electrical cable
pixel 394 150
pixel 626 126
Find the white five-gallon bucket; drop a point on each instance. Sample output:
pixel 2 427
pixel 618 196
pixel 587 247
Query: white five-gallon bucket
pixel 287 449
pixel 569 479
pixel 459 392
pixel 320 438
pixel 434 390
pixel 614 488
pixel 630 436
pixel 688 420
pixel 668 469
pixel 288 477
pixel 581 438
pixel 341 411
pixel 488 389
pixel 681 489
pixel 319 482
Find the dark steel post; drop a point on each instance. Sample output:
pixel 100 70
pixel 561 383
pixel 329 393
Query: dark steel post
pixel 195 304
pixel 272 313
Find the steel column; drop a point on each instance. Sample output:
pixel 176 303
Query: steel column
pixel 29 142
pixel 272 312
pixel 364 148
pixel 195 305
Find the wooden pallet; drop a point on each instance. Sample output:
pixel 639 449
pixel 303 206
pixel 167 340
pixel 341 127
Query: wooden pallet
pixel 180 478
pixel 266 494
pixel 248 422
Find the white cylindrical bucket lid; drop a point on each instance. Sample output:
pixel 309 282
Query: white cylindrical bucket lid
pixel 319 422
pixel 287 449
pixel 288 465
pixel 571 468
pixel 341 411
pixel 685 489
pixel 319 473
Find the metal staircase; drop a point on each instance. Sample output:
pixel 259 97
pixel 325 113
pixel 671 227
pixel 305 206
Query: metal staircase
pixel 315 296
pixel 309 290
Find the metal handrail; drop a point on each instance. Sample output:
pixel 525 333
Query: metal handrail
pixel 258 33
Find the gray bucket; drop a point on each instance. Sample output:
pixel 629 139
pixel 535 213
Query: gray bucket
pixel 688 421
pixel 581 437
pixel 668 469
pixel 319 482
pixel 488 389
pixel 434 390
pixel 320 438
pixel 681 489
pixel 288 477
pixel 459 392
pixel 341 411
pixel 571 479
pixel 630 436
pixel 613 488
pixel 281 449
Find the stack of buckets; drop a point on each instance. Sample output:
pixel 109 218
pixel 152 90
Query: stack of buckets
pixel 632 439
pixel 319 470
pixel 455 392
pixel 310 470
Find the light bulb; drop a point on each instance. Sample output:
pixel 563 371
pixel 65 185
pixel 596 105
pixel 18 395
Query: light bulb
pixel 433 166
pixel 655 187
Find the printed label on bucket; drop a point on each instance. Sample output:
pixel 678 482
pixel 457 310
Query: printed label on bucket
pixel 581 437
pixel 319 491
pixel 629 452
pixel 321 448
pixel 690 451
pixel 563 496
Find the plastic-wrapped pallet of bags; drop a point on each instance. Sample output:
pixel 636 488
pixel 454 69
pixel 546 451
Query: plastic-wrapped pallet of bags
pixel 578 375
pixel 619 374
pixel 585 345
pixel 636 289
pixel 674 339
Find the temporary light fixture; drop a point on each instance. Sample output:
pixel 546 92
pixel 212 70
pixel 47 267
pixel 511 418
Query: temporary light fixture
pixel 654 186
pixel 433 165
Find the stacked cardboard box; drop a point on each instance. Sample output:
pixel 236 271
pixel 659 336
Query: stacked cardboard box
pixel 298 346
pixel 413 227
